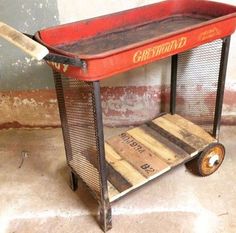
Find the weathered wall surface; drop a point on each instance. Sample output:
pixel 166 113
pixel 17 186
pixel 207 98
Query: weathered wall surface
pixel 27 96
pixel 17 70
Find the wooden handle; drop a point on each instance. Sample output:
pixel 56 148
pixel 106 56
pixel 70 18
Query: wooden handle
pixel 25 43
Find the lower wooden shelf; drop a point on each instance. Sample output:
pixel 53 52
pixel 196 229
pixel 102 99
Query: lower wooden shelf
pixel 145 152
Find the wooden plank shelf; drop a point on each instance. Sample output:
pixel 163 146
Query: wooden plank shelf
pixel 145 152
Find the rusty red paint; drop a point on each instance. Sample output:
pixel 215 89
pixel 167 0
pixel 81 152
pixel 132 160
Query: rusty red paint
pixel 39 95
pixel 125 105
pixel 230 98
pixel 17 125
pixel 221 23
pixel 37 108
pixel 119 106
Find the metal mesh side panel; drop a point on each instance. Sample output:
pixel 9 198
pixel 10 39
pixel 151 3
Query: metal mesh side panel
pixel 197 80
pixel 77 111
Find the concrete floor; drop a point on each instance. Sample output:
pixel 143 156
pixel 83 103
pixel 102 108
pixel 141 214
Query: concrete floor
pixel 36 198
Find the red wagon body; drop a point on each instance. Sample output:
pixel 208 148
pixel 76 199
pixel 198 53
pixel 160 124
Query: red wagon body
pixel 119 42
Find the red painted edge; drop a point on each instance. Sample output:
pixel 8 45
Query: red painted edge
pixel 104 65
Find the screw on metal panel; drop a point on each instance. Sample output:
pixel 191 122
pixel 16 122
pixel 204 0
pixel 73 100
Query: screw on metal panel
pixel 84 66
pixel 24 154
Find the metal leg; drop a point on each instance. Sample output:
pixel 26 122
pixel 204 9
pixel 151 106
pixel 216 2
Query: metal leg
pixel 73 181
pixel 89 146
pixel 105 208
pixel 174 66
pixel 105 217
pixel 221 86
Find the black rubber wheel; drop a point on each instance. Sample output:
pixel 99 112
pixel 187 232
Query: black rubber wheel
pixel 210 159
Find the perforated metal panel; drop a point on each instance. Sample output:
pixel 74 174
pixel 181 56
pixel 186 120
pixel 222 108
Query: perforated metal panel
pixel 77 111
pixel 197 80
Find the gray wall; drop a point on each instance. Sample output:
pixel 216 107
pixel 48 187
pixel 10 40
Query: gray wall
pixel 17 70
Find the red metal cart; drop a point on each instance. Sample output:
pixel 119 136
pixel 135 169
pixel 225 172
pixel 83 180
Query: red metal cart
pixel 83 53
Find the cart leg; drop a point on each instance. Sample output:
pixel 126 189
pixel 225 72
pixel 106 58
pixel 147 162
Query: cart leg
pixel 73 181
pixel 104 204
pixel 221 86
pixel 105 217
pixel 174 67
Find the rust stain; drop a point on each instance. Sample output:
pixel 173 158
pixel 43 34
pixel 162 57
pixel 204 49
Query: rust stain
pixel 17 125
pixel 37 108
pixel 230 98
pixel 123 106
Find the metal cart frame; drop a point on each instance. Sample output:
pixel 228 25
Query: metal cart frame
pixel 79 96
pixel 103 200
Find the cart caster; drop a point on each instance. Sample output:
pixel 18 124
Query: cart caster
pixel 210 159
pixel 73 181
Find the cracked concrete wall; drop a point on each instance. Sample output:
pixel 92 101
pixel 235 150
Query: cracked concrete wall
pixel 25 84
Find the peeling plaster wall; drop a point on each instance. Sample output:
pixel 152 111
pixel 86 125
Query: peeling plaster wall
pixel 17 70
pixel 27 95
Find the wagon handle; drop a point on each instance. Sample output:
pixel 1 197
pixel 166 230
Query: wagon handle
pixel 58 58
pixel 22 41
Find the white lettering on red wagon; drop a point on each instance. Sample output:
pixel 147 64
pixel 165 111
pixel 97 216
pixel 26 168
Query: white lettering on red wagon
pixel 59 66
pixel 65 67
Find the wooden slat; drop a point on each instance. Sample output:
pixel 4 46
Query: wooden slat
pixel 123 167
pixel 190 127
pixel 145 161
pixel 144 153
pixel 113 193
pixel 169 136
pixel 90 156
pixel 180 134
pixel 118 181
pixel 179 152
pixel 141 135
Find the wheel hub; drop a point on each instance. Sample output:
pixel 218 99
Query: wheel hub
pixel 214 160
pixel 211 159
